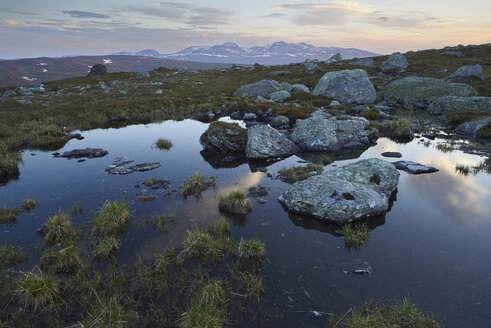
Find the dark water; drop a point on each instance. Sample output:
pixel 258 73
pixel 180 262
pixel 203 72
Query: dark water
pixel 433 246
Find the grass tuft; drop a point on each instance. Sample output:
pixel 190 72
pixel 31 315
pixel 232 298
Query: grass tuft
pixel 163 144
pixel 196 184
pixel 64 260
pixel 251 250
pixel 8 215
pixel 235 202
pixel 29 204
pixel 355 236
pixel 107 246
pixel 112 218
pixel 37 290
pixel 298 173
pixel 10 255
pixel 57 228
pixel 202 316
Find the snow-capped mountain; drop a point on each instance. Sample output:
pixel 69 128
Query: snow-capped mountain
pixel 278 53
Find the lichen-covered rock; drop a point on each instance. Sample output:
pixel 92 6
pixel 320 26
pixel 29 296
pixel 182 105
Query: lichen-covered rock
pixel 452 103
pixel 321 134
pixel 280 122
pixel 259 89
pixel 84 153
pixel 297 87
pixel 351 192
pixel 348 86
pixel 414 168
pixel 334 59
pixel 312 67
pixel 424 90
pixel 469 129
pixel 264 142
pixel 224 137
pixel 467 73
pixel 396 63
pixel 279 96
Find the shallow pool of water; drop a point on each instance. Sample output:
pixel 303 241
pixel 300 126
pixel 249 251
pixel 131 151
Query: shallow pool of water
pixel 432 246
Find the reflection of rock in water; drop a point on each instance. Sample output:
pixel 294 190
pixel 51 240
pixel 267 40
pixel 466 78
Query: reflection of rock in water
pixel 4 179
pixel 219 160
pixel 330 227
pixel 237 219
pixel 340 155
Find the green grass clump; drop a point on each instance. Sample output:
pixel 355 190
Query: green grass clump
pixel 462 116
pixel 214 293
pixel 235 202
pixel 326 160
pixel 29 204
pixel 107 246
pixel 196 184
pixel 370 114
pixel 77 208
pixel 200 244
pixel 163 144
pixel 251 250
pixel 64 260
pixel 112 218
pixel 9 215
pixel 253 284
pixel 399 130
pixel 298 173
pixel 220 229
pixel 403 314
pixel 462 169
pixel 57 228
pixel 203 316
pixel 355 236
pixel 160 221
pixel 146 198
pixel 108 313
pixel 9 164
pixel 37 290
pixel 10 255
pixel 485 131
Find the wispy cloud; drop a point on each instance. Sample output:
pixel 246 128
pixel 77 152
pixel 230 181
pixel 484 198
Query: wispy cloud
pixel 84 14
pixel 273 15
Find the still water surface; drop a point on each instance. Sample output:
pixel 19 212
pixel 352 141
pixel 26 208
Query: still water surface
pixel 432 246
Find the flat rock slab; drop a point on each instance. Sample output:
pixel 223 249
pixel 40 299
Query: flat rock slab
pixel 265 142
pixel 119 167
pixel 84 153
pixel 414 168
pixel 393 154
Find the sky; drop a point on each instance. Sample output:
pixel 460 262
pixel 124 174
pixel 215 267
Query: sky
pixel 35 28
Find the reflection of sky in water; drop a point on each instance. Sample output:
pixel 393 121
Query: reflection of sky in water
pixel 432 246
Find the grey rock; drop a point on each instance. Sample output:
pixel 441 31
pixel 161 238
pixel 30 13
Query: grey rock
pixel 467 73
pixel 119 167
pixel 453 54
pixel 24 102
pixel 280 122
pixel 299 88
pixel 470 129
pixel 249 116
pixel 363 62
pixel 335 103
pixel 412 90
pixel 258 191
pixel 143 167
pixel 334 59
pixel 185 70
pixel 279 96
pixel 285 86
pixel 279 73
pixel 351 192
pixel 312 67
pixel 209 116
pixel 348 86
pixel 452 103
pixel 97 69
pixel 158 92
pixel 414 168
pixel 85 153
pixel 259 89
pixel 396 63
pixel 224 137
pixel 392 154
pixel 264 142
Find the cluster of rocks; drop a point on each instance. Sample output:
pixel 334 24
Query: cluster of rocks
pixel 270 90
pixel 120 167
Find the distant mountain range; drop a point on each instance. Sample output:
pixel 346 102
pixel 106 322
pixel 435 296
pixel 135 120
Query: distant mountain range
pixel 36 70
pixel 278 53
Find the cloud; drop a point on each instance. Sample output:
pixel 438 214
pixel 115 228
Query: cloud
pixel 198 16
pixel 330 14
pixel 273 15
pixel 83 14
pixel 16 11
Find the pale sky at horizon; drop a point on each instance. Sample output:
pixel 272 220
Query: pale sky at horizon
pixel 34 28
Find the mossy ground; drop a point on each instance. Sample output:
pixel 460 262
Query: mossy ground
pixel 298 173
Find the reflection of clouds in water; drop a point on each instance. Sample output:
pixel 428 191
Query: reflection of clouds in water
pixel 190 213
pixel 463 198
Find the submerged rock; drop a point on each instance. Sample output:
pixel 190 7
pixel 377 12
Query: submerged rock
pixel 264 142
pixel 414 168
pixel 452 103
pixel 348 86
pixel 351 192
pixel 392 154
pixel 224 137
pixel 396 63
pixel 424 90
pixel 119 167
pixel 84 153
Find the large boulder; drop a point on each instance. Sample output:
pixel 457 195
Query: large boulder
pixel 469 129
pixel 351 192
pixel 452 103
pixel 259 89
pixel 97 69
pixel 396 63
pixel 224 137
pixel 321 134
pixel 424 90
pixel 264 142
pixel 348 86
pixel 467 73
